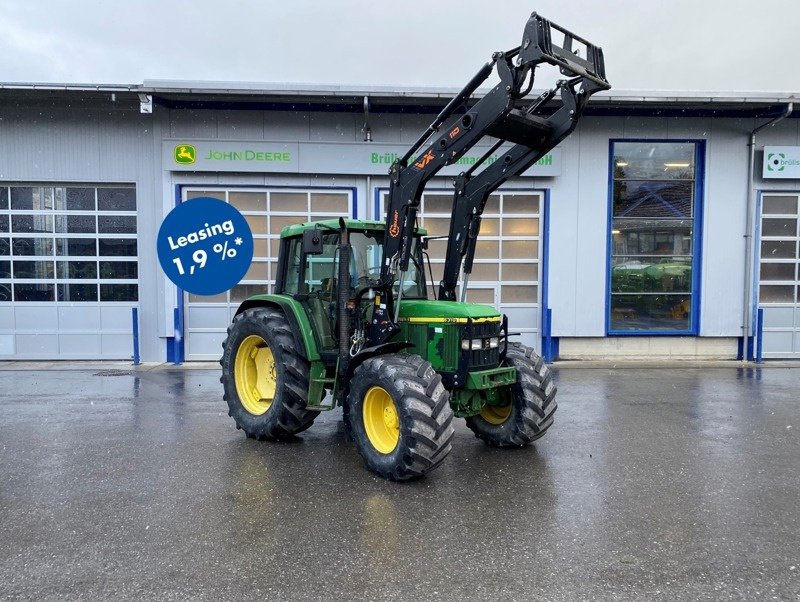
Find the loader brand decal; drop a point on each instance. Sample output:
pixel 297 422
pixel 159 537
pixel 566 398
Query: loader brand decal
pixel 185 154
pixel 781 162
pixel 426 158
pixel 394 227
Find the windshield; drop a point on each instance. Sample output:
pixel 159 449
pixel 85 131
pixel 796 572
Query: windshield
pixel 365 264
pixel 320 273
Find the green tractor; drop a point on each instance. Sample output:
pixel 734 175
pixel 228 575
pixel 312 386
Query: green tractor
pixel 352 317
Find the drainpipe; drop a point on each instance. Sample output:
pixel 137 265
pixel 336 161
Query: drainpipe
pixel 749 270
pixel 366 129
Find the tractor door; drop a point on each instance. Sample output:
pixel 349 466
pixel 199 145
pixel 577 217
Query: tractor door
pixel 311 278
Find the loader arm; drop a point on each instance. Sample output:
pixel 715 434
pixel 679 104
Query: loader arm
pixel 472 191
pixel 450 136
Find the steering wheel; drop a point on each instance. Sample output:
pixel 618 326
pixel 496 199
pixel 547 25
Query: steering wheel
pixel 370 276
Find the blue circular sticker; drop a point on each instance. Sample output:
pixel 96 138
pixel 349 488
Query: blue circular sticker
pixel 205 246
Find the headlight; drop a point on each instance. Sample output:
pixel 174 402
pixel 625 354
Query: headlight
pixel 478 344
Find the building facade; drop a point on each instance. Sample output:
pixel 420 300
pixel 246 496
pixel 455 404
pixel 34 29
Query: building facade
pixel 650 232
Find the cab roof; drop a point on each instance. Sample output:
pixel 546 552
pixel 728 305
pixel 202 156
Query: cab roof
pixel 353 225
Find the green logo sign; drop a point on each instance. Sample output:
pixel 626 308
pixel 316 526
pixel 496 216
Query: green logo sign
pixel 185 153
pixel 389 158
pixel 775 161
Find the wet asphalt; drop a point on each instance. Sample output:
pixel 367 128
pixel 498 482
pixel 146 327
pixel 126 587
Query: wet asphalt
pixel 654 483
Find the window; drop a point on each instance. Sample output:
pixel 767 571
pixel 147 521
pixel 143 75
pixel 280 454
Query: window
pixel 68 243
pixel 780 253
pixel 506 267
pixel 653 238
pixel 321 271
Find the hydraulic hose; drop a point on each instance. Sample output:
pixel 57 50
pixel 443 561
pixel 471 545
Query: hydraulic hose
pixel 344 297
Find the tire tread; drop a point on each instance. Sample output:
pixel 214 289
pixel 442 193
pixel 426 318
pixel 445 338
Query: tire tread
pixel 535 394
pixel 426 435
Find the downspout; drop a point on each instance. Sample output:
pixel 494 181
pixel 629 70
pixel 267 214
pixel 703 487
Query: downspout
pixel 366 129
pixel 749 270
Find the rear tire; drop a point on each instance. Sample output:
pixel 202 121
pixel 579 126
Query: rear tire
pixel 265 378
pixel 530 408
pixel 398 413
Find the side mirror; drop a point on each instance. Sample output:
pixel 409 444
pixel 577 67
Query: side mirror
pixel 312 242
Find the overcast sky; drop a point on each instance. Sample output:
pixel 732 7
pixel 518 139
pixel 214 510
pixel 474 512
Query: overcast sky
pixel 648 44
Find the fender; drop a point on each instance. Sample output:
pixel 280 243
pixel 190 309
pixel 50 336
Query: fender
pixel 368 352
pixel 305 344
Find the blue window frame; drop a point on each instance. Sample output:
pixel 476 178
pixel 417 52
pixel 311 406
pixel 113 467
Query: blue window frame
pixel 654 236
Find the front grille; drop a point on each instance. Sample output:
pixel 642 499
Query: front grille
pixel 484 330
pixel 483 358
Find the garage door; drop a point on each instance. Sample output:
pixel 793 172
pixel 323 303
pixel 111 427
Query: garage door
pixel 68 271
pixel 506 269
pixel 779 287
pixel 267 210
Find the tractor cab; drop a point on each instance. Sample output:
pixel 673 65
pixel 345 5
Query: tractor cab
pixel 309 269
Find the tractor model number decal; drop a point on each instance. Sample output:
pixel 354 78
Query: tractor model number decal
pixel 426 158
pixel 394 227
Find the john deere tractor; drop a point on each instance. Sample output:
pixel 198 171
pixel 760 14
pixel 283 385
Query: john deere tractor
pixel 352 321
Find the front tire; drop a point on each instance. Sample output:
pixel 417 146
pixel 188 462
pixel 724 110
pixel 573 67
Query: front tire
pixel 530 405
pixel 265 378
pixel 398 413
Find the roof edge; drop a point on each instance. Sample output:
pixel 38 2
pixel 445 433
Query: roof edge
pixel 333 92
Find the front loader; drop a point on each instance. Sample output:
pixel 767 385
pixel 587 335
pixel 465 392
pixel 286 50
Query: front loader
pixel 352 323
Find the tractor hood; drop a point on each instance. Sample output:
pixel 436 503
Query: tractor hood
pixel 417 310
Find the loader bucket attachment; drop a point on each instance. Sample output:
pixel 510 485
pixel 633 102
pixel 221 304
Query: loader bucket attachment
pixel 538 45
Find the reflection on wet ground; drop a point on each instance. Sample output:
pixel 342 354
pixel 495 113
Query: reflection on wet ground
pixel 653 483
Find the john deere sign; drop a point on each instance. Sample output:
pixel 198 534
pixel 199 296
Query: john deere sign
pixel 207 155
pixel 313 157
pixel 185 154
pixel 782 162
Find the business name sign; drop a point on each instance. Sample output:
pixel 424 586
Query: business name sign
pixel 208 155
pixel 781 162
pixel 316 158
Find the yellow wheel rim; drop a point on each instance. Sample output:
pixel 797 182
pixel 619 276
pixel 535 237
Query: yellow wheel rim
pixel 381 420
pixel 254 375
pixel 496 414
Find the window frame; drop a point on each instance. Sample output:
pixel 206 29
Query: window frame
pixel 697 236
pixel 54 212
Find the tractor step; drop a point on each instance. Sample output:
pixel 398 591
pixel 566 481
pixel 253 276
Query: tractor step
pixel 322 408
